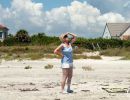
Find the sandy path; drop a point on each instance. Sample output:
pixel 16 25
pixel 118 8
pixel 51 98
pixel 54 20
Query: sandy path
pixel 44 84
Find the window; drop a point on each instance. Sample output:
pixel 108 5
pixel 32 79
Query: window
pixel 1 34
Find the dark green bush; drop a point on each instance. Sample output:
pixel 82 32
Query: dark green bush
pixel 40 39
pixel 10 41
pixel 126 43
pixel 22 38
pixel 1 43
pixel 103 43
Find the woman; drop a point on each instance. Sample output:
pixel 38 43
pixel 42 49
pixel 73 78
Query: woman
pixel 66 52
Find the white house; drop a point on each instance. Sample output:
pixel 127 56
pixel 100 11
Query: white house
pixel 117 31
pixel 3 32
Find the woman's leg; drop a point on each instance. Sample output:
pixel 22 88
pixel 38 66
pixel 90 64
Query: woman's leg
pixel 64 77
pixel 70 74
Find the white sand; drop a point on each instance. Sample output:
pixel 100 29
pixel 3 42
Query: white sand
pixel 45 83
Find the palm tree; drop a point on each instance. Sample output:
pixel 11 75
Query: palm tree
pixel 22 36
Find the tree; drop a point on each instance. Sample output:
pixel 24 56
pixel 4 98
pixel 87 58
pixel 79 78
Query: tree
pixel 22 36
pixel 41 35
pixel 10 35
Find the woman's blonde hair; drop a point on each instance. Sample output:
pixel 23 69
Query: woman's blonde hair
pixel 61 37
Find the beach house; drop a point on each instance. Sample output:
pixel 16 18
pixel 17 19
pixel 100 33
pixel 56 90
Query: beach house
pixel 117 31
pixel 3 32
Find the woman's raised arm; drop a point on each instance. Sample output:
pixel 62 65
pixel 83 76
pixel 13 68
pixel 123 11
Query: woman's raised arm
pixel 74 37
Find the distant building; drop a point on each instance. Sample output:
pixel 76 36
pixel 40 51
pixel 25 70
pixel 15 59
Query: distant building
pixel 117 31
pixel 3 32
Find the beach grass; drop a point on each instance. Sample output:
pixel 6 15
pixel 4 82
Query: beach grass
pixel 48 66
pixel 87 68
pixel 123 52
pixel 28 67
pixel 81 56
pixel 37 52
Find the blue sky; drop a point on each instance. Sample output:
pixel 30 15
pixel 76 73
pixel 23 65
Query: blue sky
pixel 5 3
pixel 86 17
pixel 49 4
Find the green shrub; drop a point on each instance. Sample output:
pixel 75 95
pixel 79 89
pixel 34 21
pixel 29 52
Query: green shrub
pixel 22 38
pixel 103 43
pixel 1 44
pixel 126 43
pixel 10 41
pixel 41 39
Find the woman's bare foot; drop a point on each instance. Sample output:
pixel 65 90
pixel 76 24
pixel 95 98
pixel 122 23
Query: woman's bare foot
pixel 64 92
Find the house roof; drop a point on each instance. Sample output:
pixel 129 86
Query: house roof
pixel 117 29
pixel 3 27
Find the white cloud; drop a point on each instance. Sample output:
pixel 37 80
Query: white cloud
pixel 127 4
pixel 79 17
pixel 111 17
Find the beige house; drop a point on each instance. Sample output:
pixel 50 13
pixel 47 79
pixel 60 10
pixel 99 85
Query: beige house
pixel 3 32
pixel 117 31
